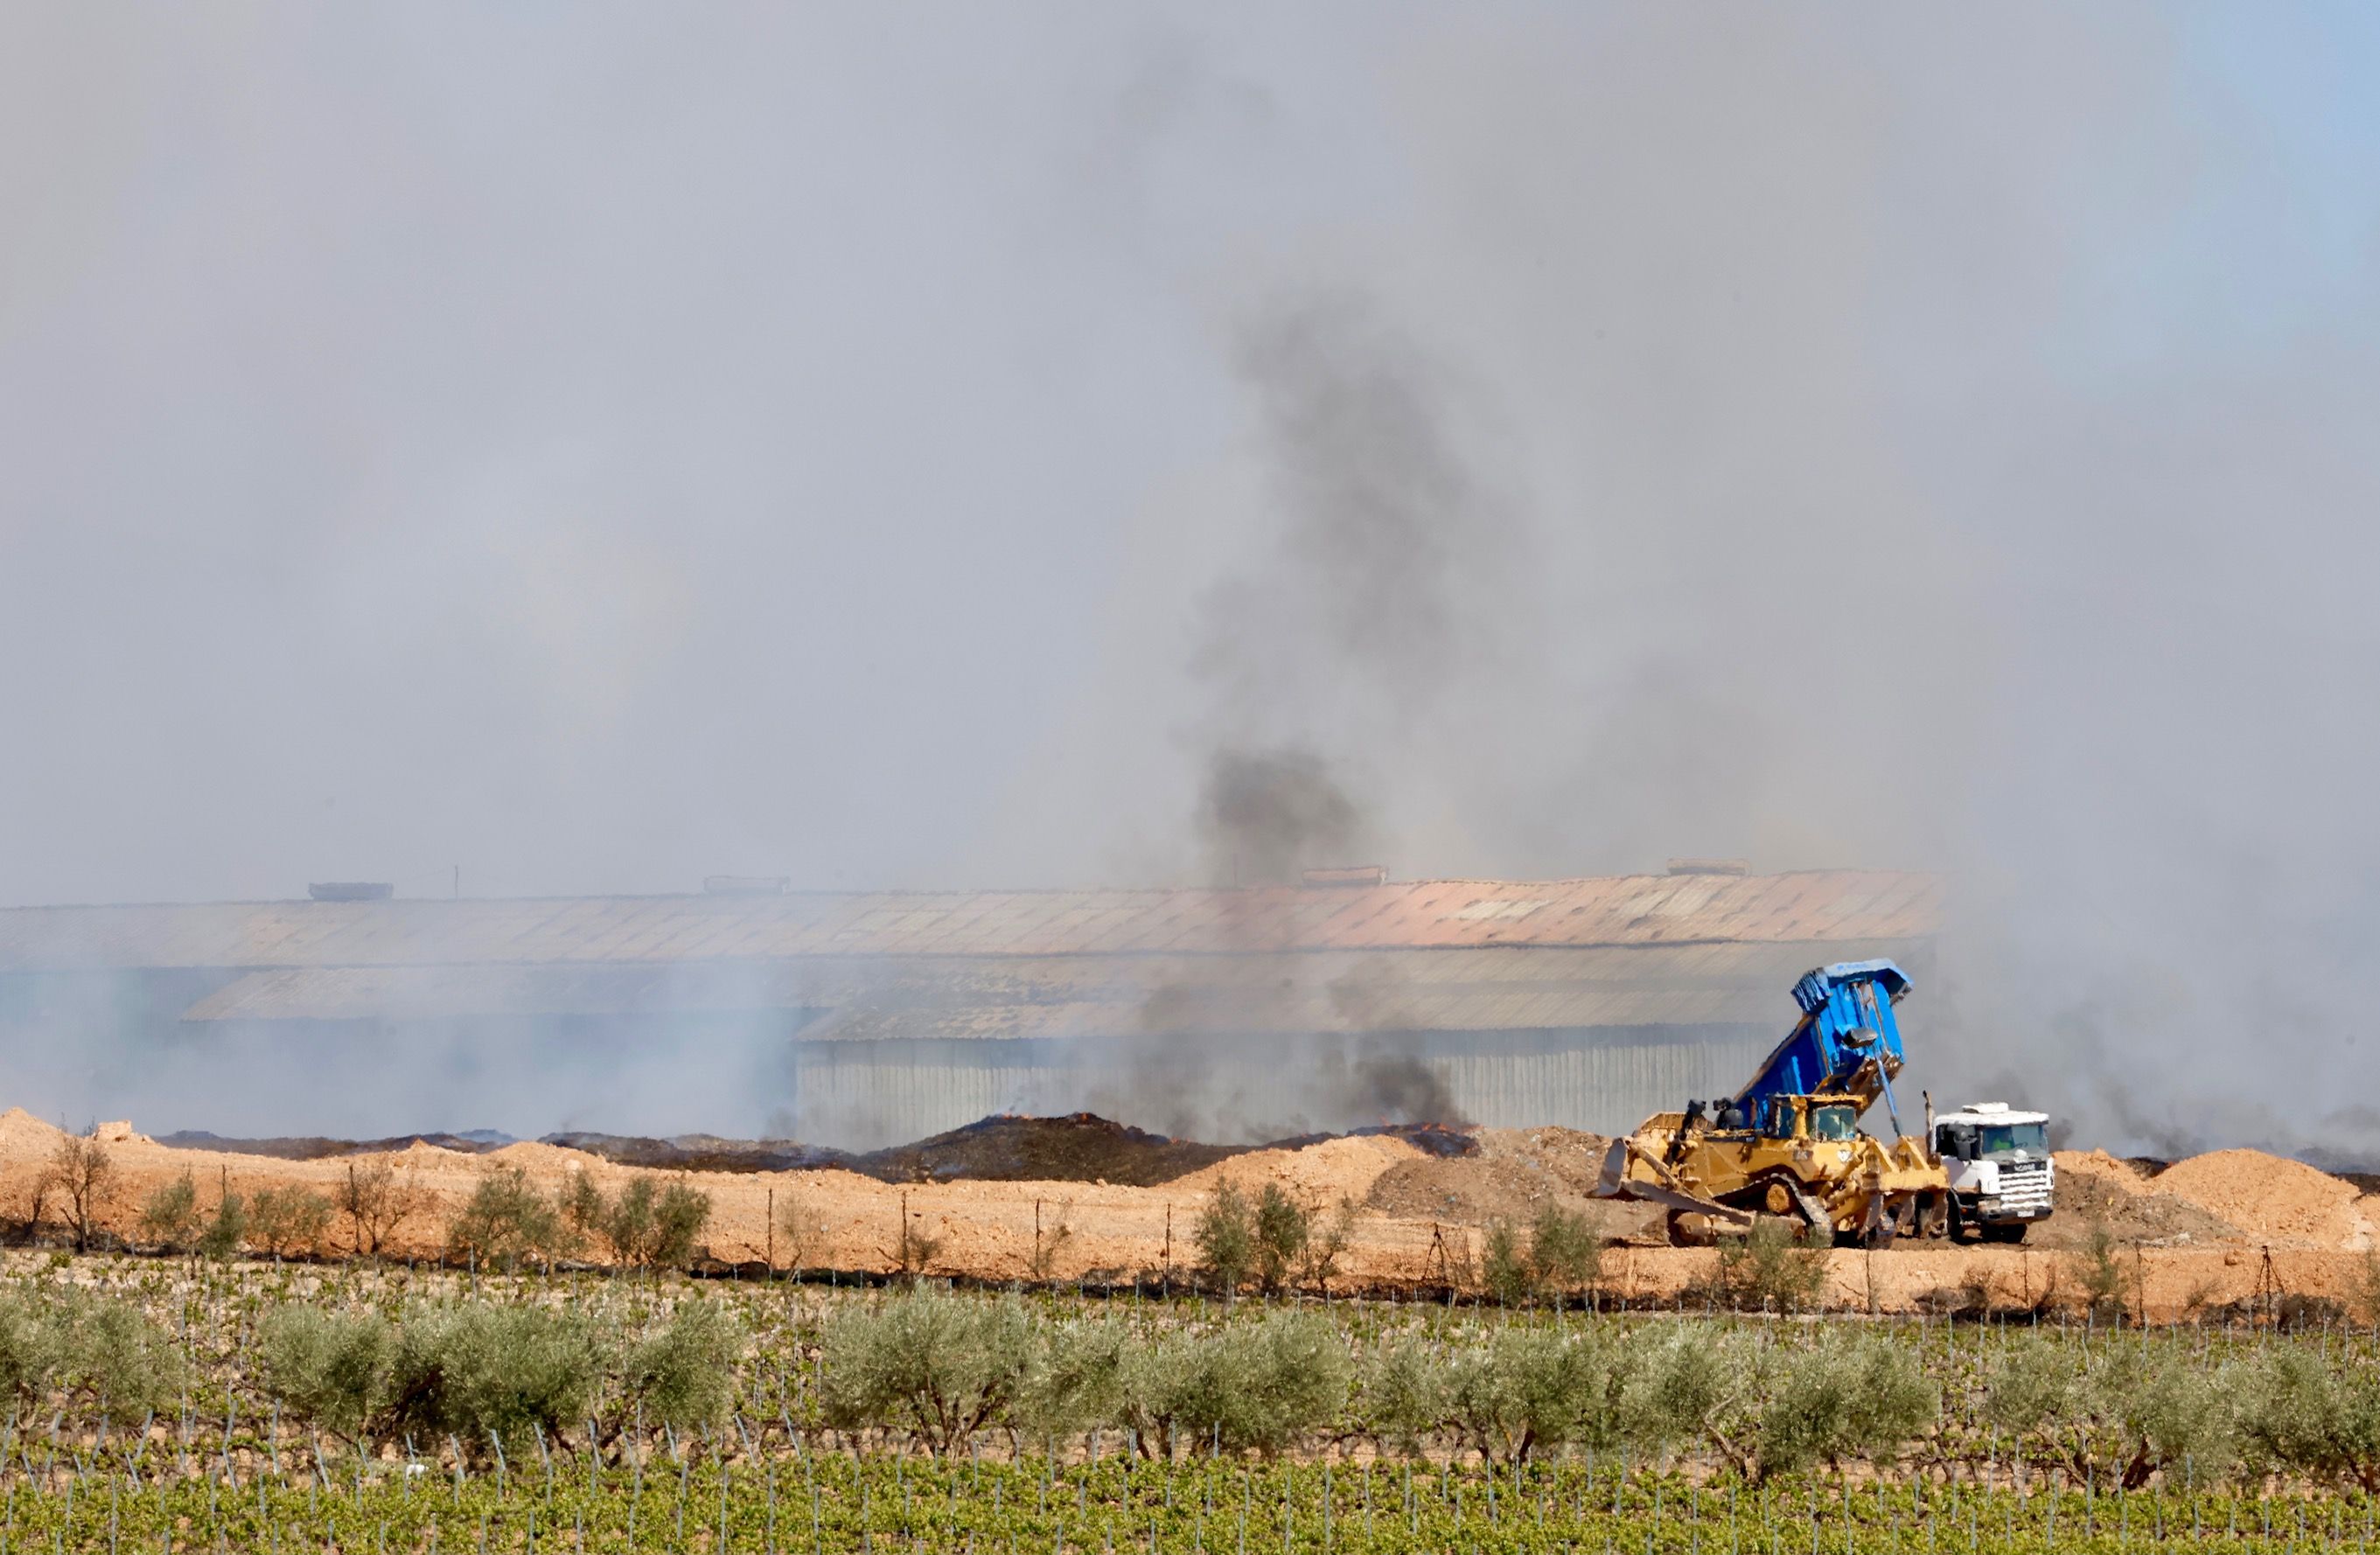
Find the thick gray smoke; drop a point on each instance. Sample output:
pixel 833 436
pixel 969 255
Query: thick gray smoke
pixel 1377 557
pixel 1266 815
pixel 1321 660
pixel 1136 445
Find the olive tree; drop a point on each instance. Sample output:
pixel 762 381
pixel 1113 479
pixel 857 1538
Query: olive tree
pixel 1226 1238
pixel 1523 1390
pixel 286 1219
pixel 1843 1398
pixel 329 1368
pixel 169 1216
pixel 2319 1422
pixel 481 1371
pixel 684 1374
pixel 938 1366
pixel 1403 1396
pixel 506 1220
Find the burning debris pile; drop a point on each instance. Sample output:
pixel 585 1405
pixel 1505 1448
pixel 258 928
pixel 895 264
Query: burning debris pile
pixel 1078 1148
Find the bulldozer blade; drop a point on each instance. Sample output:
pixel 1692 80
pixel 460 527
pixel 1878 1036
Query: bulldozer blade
pixel 1614 1184
pixel 1615 1169
pixel 1670 1198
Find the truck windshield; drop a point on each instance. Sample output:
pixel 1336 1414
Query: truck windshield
pixel 1832 1123
pixel 2000 1138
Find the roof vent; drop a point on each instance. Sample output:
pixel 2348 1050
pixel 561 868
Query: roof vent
pixel 1709 867
pixel 1358 874
pixel 746 885
pixel 351 891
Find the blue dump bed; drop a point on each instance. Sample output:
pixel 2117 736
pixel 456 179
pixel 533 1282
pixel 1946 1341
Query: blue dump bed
pixel 1848 1041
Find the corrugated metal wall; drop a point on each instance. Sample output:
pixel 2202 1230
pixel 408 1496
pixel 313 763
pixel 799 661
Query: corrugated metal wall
pixel 1606 1088
pixel 865 1094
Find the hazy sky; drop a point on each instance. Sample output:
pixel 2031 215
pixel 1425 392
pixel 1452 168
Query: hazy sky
pixel 598 446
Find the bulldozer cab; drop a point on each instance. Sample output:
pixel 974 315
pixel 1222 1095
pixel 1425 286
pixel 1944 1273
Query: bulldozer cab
pixel 1809 1117
pixel 1833 1120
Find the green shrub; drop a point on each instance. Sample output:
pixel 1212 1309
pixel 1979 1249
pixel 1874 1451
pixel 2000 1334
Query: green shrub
pixel 642 1227
pixel 226 1230
pixel 478 1369
pixel 169 1217
pixel 678 1218
pixel 684 1375
pixel 1177 1389
pixel 330 1368
pixel 1670 1391
pixel 2159 1412
pixel 582 1206
pixel 941 1367
pixel 1284 1228
pixel 1561 1254
pixel 1404 1396
pixel 2031 1390
pixel 1079 1382
pixel 32 1347
pixel 2325 1423
pixel 1777 1264
pixel 119 1359
pixel 1842 1398
pixel 1504 1268
pixel 1252 1385
pixel 1294 1370
pixel 626 1223
pixel 285 1220
pixel 1226 1238
pixel 2098 1269
pixel 1523 1390
pixel 506 1220
pixel 1565 1254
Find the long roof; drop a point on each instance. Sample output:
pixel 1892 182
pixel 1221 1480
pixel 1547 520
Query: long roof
pixel 1817 907
pixel 973 998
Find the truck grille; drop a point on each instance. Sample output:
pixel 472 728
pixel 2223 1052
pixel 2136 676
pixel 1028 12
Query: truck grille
pixel 2025 1187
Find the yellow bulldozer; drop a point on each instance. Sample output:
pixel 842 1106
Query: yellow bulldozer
pixel 1790 1144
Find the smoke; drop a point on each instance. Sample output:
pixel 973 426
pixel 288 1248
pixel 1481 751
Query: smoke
pixel 1879 478
pixel 1318 661
pixel 1066 446
pixel 1321 657
pixel 1266 815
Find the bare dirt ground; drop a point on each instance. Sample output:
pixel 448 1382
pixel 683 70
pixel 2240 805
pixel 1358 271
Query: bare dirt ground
pixel 2223 1228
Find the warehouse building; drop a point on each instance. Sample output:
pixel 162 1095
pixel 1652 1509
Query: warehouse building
pixel 888 1015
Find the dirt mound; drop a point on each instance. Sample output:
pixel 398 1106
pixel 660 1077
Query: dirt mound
pixel 1080 1147
pixel 24 1137
pixel 536 1156
pixel 1344 1168
pixel 703 1153
pixel 2268 1197
pixel 2118 1174
pixel 1515 1174
pixel 2132 1212
pixel 314 1146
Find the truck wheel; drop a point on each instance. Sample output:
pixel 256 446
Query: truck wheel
pixel 1933 1216
pixel 2003 1234
pixel 1960 1228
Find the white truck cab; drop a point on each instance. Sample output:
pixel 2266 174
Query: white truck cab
pixel 2001 1176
